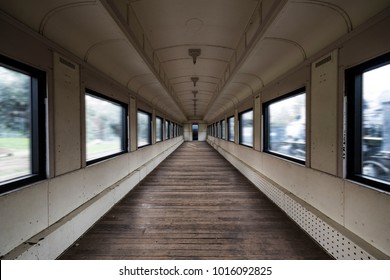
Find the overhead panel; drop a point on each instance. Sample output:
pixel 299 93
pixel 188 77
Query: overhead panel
pixel 174 27
pixel 244 45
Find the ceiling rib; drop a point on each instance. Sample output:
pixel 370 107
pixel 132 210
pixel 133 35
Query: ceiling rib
pixel 100 44
pixel 244 84
pixel 193 45
pixel 252 75
pixel 290 42
pixel 189 76
pixel 145 85
pixel 138 76
pixel 199 58
pixel 198 82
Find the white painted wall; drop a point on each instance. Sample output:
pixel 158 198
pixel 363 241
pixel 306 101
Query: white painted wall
pixel 202 131
pixel 55 212
pixel 41 220
pixel 359 210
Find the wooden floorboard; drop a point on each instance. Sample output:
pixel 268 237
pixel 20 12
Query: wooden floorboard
pixel 195 205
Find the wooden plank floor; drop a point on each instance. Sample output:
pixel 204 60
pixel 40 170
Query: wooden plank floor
pixel 195 205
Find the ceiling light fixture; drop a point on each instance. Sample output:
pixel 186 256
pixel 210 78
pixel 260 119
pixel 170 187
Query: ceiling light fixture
pixel 194 80
pixel 194 53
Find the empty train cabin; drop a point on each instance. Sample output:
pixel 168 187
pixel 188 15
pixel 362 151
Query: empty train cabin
pixel 195 129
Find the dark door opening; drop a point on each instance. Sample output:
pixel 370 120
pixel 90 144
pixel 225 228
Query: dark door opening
pixel 195 128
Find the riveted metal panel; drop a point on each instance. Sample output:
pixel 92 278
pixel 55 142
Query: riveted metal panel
pixel 67 129
pixel 324 118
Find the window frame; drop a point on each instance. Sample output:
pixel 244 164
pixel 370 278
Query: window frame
pixel 240 134
pixel 354 123
pixel 38 125
pixel 124 126
pixel 266 129
pixel 150 128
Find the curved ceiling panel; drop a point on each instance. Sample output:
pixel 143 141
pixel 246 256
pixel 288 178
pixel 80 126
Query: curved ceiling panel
pixel 76 29
pixel 113 59
pixel 22 10
pixel 202 22
pixel 137 81
pixel 239 90
pixel 281 57
pixel 144 44
pixel 358 11
pixel 320 24
pixel 253 80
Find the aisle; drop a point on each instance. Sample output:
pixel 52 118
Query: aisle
pixel 195 205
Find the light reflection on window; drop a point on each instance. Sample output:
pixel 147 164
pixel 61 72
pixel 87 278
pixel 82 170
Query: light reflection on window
pixel 231 129
pixel 104 127
pixel 159 129
pixel 143 128
pixel 376 123
pixel 287 127
pixel 15 124
pixel 167 130
pixel 223 129
pixel 246 128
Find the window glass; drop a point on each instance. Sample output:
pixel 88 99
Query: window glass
pixel 15 124
pixel 231 129
pixel 246 128
pixel 105 127
pixel 159 129
pixel 375 135
pixel 143 128
pixel 223 129
pixel 368 122
pixel 286 123
pixel 22 124
pixel 167 130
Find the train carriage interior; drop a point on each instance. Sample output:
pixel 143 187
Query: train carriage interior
pixel 96 94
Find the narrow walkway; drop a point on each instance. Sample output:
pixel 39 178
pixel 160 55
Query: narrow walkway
pixel 195 205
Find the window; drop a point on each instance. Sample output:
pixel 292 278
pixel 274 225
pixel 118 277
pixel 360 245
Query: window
pixel 285 126
pixel 167 130
pixel 106 127
pixel 174 130
pixel 223 129
pixel 246 128
pixel 144 129
pixel 22 124
pixel 368 122
pixel 231 129
pixel 159 129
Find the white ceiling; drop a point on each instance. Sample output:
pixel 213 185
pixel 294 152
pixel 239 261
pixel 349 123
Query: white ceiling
pixel 144 44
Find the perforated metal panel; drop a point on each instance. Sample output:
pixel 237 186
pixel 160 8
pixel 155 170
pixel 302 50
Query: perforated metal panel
pixel 335 243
